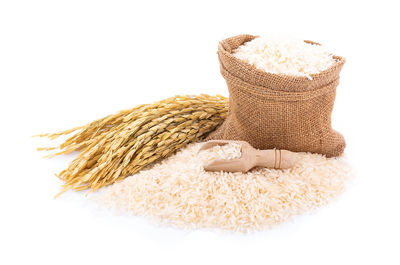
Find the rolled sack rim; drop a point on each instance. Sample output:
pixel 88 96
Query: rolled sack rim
pixel 270 82
pixel 277 95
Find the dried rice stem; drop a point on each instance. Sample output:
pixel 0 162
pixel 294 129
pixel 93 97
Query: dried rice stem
pixel 121 144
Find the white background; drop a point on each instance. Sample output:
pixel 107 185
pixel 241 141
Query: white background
pixel 65 63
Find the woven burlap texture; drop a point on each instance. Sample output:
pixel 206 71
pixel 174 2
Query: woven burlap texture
pixel 279 111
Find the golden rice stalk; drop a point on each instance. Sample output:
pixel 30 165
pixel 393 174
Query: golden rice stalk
pixel 120 145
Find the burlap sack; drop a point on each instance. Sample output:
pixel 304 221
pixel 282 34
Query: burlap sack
pixel 278 111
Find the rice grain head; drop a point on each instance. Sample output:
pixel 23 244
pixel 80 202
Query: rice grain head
pixel 121 144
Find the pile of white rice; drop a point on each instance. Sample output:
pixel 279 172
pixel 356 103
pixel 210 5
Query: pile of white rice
pixel 282 55
pixel 177 191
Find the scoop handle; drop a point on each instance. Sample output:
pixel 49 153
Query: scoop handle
pixel 275 158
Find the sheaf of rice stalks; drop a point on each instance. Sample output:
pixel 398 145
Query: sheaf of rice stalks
pixel 121 144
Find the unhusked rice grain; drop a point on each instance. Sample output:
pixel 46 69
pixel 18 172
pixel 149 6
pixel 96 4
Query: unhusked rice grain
pixel 177 191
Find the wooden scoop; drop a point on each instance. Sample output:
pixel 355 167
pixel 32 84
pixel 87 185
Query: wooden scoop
pixel 251 157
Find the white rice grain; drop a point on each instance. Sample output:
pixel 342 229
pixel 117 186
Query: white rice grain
pixel 178 191
pixel 287 56
pixel 228 151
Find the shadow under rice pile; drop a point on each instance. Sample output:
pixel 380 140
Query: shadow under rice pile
pixel 177 191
